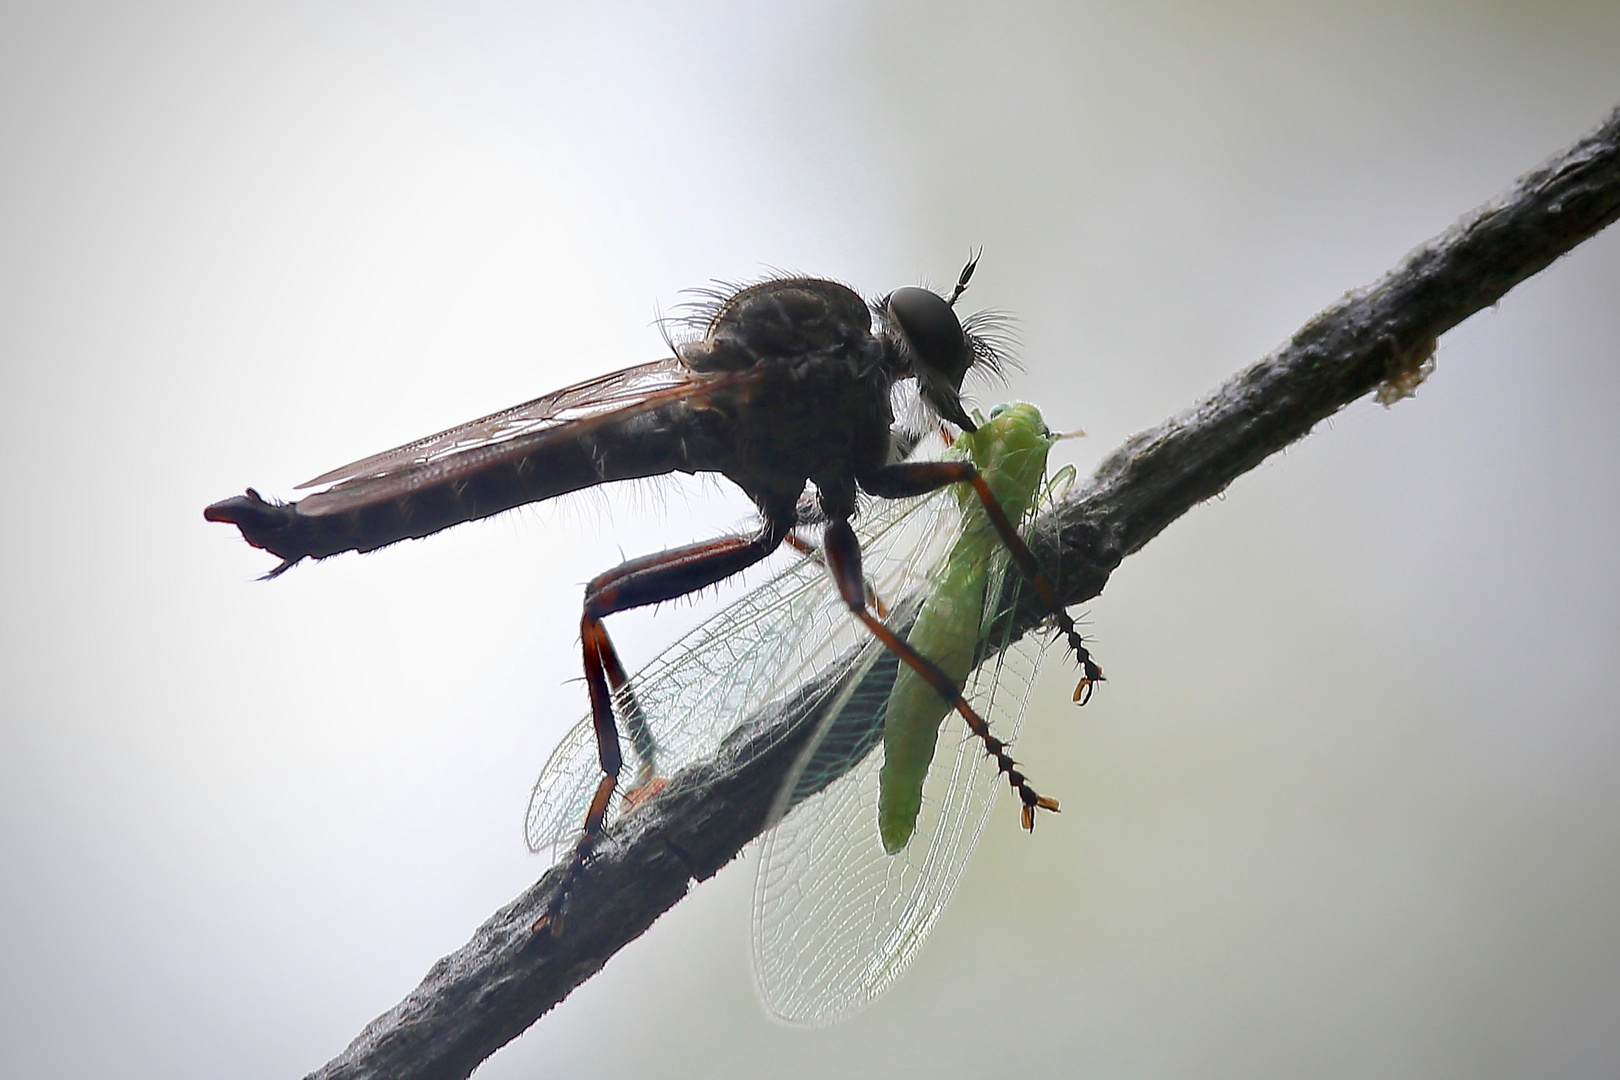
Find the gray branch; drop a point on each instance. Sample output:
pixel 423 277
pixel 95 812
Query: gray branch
pixel 1380 338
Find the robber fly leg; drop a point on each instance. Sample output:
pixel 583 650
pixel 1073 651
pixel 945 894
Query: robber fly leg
pixel 650 579
pixel 920 477
pixel 844 560
pixel 805 547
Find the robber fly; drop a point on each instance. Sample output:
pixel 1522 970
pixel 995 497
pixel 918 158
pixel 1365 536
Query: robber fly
pixel 791 383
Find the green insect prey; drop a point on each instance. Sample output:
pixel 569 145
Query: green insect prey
pixel 1010 450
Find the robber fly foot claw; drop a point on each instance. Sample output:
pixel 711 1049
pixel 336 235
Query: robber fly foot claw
pixel 642 792
pixel 552 920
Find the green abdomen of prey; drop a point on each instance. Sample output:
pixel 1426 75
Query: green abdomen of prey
pixel 1010 451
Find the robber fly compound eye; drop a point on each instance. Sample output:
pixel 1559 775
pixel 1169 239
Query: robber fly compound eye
pixel 933 332
pixel 935 345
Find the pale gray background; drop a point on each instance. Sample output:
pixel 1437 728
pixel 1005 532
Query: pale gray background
pixel 1349 804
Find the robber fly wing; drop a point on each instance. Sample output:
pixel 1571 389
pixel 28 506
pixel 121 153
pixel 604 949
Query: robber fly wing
pixel 836 919
pixel 613 391
pixel 512 434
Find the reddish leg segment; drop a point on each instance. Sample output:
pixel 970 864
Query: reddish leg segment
pixel 647 580
pixel 918 478
pixel 805 547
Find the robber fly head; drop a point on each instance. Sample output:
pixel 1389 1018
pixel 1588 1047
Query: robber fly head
pixel 939 348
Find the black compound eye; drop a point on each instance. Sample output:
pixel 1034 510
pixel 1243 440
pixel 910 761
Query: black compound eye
pixel 933 331
pixel 937 348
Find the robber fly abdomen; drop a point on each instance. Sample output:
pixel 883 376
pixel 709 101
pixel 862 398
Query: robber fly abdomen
pixel 370 512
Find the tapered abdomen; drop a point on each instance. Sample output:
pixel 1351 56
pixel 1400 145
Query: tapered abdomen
pixel 369 513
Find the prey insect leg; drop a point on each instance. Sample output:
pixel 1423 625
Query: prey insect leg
pixel 843 555
pixel 917 478
pixel 650 579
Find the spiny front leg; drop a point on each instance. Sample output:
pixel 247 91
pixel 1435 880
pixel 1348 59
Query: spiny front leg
pixel 843 555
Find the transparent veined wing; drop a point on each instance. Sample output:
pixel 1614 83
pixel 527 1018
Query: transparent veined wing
pixel 778 636
pixel 836 918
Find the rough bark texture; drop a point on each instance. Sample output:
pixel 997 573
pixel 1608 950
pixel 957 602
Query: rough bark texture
pixel 1378 338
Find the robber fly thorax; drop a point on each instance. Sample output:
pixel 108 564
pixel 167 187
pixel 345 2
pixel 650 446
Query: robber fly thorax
pixel 820 410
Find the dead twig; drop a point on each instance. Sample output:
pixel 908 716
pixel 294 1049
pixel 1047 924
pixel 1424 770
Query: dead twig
pixel 1380 338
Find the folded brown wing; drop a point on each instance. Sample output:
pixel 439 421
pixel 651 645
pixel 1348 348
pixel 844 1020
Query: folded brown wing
pixel 643 421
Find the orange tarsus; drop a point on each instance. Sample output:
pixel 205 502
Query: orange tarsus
pixel 642 792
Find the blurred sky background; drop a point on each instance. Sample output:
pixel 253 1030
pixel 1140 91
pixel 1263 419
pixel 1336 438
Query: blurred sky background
pixel 1349 803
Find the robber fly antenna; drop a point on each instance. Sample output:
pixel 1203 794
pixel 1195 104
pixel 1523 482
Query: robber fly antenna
pixel 964 277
